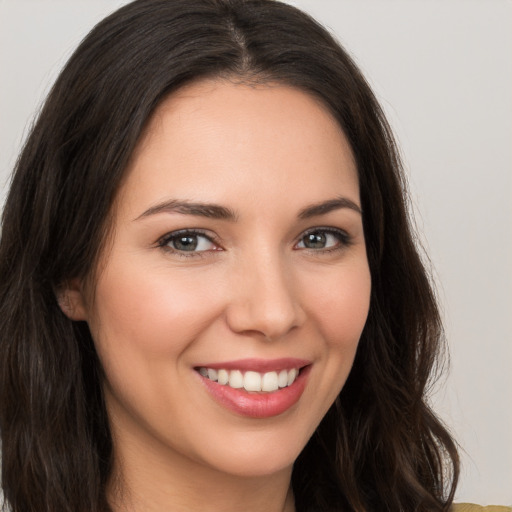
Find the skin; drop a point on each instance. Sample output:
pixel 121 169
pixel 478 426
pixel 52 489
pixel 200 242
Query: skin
pixel 253 289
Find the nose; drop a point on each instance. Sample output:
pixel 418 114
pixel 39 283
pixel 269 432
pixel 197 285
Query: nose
pixel 264 300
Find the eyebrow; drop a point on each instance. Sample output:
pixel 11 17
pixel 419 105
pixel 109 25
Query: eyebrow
pixel 325 207
pixel 209 210
pixel 215 211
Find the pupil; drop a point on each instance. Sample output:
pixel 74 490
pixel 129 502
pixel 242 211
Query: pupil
pixel 315 241
pixel 186 243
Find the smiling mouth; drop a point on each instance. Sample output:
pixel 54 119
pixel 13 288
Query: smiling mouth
pixel 251 381
pixel 256 388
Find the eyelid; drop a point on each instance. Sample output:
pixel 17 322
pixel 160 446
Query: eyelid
pixel 164 240
pixel 345 239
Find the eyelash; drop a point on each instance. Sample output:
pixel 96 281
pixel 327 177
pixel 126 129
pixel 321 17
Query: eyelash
pixel 164 242
pixel 343 237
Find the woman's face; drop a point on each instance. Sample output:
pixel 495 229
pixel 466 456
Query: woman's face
pixel 237 260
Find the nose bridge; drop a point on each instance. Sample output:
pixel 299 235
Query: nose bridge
pixel 265 298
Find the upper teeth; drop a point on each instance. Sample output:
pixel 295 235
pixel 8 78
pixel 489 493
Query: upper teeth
pixel 251 381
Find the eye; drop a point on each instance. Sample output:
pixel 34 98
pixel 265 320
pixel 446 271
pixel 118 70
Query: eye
pixel 323 239
pixel 186 241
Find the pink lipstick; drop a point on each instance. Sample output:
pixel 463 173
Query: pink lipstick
pixel 256 388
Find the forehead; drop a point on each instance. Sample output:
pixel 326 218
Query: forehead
pixel 211 137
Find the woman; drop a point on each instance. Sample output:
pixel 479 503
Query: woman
pixel 210 295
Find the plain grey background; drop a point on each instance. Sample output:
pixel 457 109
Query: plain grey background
pixel 442 70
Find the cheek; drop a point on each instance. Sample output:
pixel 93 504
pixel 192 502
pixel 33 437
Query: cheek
pixel 142 324
pixel 337 308
pixel 341 307
pixel 149 312
pixel 341 312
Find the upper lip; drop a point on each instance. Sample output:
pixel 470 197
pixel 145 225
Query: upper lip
pixel 258 365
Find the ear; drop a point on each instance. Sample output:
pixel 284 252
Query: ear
pixel 71 299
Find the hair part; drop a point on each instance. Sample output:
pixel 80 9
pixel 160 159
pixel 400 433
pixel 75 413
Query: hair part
pixel 380 447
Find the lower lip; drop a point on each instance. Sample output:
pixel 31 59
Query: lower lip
pixel 258 405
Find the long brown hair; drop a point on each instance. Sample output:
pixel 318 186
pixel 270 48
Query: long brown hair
pixel 380 447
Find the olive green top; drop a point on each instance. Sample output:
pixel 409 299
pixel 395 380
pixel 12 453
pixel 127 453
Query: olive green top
pixel 468 507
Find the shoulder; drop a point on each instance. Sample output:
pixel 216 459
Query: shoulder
pixel 468 507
